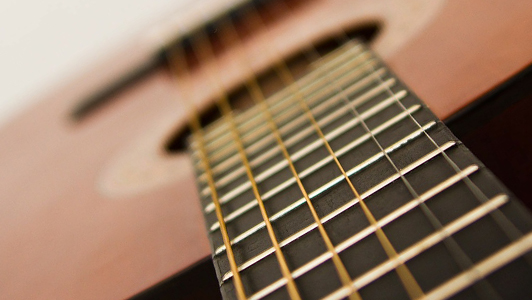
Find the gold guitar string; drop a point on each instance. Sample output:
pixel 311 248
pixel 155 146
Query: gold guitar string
pixel 258 97
pixel 409 282
pixel 175 63
pixel 203 48
pixel 484 289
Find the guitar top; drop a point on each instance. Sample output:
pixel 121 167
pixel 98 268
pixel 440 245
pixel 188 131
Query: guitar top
pixel 99 195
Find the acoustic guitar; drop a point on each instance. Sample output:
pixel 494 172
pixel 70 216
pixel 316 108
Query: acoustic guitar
pixel 279 149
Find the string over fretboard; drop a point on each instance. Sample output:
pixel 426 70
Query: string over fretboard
pixel 354 172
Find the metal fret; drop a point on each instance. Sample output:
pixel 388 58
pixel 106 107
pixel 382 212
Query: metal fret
pixel 289 111
pixel 391 264
pixel 509 228
pixel 281 103
pixel 483 269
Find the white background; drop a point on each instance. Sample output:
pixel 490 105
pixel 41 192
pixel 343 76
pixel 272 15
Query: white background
pixel 42 42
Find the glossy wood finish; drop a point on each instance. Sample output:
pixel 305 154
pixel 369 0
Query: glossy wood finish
pixel 97 209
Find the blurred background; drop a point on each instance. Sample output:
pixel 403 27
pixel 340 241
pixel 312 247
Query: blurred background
pixel 44 41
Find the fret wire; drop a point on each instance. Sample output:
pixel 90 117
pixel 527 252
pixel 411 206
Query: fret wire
pixel 335 181
pixel 344 150
pixel 308 80
pixel 258 97
pixel 260 144
pixel 462 222
pixel 368 230
pixel 255 138
pixel 482 269
pixel 409 253
pixel 206 54
pixel 280 101
pixel 175 64
pixel 407 279
pixel 303 152
pixel 485 289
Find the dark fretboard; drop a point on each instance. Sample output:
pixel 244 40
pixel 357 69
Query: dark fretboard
pixel 427 218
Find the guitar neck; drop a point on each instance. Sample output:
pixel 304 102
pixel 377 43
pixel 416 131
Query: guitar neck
pixel 344 184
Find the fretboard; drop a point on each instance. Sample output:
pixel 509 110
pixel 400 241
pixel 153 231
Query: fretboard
pixel 402 208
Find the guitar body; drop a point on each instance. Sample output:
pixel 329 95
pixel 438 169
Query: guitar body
pixel 95 207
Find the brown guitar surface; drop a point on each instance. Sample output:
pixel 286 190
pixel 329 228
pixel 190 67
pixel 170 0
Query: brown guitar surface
pixel 97 209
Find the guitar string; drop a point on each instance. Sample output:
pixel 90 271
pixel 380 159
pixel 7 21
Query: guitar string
pixel 407 279
pixel 464 179
pixel 345 208
pixel 373 274
pixel 250 114
pixel 258 97
pixel 203 47
pixel 485 289
pixel 175 63
pixel 471 275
